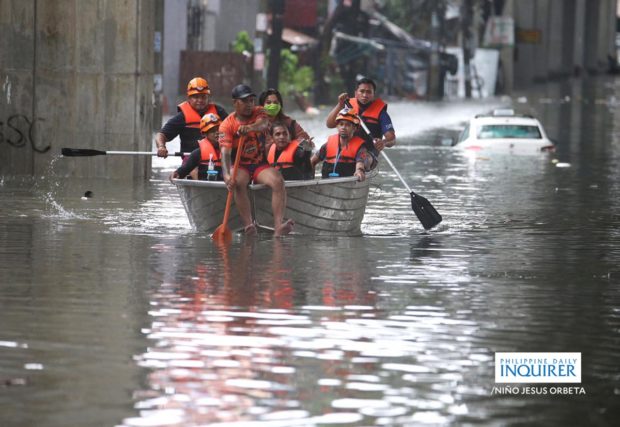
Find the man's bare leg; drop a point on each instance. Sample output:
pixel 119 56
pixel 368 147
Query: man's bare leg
pixel 273 179
pixel 242 201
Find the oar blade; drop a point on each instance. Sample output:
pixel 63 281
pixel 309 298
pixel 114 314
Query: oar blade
pixel 81 152
pixel 222 234
pixel 426 213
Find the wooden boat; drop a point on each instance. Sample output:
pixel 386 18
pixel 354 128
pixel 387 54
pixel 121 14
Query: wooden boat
pixel 332 207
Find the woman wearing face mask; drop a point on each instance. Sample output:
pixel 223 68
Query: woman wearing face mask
pixel 271 100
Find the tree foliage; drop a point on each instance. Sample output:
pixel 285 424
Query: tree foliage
pixel 294 78
pixel 243 43
pixel 414 16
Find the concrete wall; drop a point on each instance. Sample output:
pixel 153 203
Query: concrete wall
pixel 608 33
pixel 542 10
pixel 590 58
pixel 524 15
pixel 76 73
pixel 507 54
pixel 234 17
pixel 556 40
pixel 600 21
pixel 221 21
pixel 175 40
pixel 576 35
pixel 573 36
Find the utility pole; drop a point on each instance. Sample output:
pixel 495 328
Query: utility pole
pixel 275 42
pixel 158 66
pixel 433 72
pixel 466 40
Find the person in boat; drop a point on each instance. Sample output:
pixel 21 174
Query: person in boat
pixel 373 111
pixel 250 122
pixel 344 154
pixel 291 158
pixel 206 157
pixel 186 123
pixel 271 100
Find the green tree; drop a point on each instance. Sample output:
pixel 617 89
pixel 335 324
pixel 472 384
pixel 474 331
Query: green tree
pixel 293 78
pixel 243 43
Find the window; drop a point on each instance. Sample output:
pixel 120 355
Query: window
pixel 465 134
pixel 509 131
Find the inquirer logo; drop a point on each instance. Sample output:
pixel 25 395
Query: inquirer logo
pixel 538 367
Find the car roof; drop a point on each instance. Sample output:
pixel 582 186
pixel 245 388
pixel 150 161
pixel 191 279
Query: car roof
pixel 505 116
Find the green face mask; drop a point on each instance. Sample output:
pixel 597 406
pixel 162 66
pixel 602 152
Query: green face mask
pixel 273 109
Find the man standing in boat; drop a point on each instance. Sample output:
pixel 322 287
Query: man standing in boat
pixel 291 158
pixel 373 112
pixel 344 154
pixel 206 157
pixel 186 123
pixel 250 122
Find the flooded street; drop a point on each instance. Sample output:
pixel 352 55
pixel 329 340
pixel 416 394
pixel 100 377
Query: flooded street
pixel 114 312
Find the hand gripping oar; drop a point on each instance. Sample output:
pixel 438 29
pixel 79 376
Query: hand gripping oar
pixel 222 233
pixel 426 213
pixel 84 152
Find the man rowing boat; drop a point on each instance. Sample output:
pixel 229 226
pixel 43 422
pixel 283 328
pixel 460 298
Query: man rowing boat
pixel 373 111
pixel 186 123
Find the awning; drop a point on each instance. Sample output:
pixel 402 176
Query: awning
pixel 296 38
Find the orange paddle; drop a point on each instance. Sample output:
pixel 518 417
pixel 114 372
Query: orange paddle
pixel 222 233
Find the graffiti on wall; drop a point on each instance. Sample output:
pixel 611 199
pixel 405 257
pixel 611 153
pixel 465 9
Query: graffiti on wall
pixel 18 130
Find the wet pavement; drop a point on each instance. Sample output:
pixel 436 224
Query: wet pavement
pixel 114 312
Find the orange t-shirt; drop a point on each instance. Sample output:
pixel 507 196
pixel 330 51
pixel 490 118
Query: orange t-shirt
pixel 254 145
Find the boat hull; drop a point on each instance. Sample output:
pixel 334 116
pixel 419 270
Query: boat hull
pixel 332 207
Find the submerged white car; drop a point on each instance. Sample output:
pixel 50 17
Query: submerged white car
pixel 504 132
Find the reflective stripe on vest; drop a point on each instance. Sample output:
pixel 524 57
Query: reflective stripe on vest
pixel 286 157
pixel 206 149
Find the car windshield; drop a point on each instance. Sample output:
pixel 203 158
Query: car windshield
pixel 509 131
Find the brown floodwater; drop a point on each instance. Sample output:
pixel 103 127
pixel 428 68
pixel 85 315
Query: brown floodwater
pixel 114 312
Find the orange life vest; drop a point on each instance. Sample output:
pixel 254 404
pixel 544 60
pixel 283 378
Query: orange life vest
pixel 347 155
pixel 345 165
pixel 285 163
pixel 371 115
pixel 192 118
pixel 286 157
pixel 206 151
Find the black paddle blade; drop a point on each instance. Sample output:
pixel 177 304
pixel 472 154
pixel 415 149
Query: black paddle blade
pixel 426 213
pixel 79 152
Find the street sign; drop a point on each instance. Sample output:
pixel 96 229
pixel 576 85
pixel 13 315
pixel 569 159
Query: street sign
pixel 529 36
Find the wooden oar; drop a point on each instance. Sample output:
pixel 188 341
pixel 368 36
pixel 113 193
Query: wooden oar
pixel 84 152
pixel 222 232
pixel 426 213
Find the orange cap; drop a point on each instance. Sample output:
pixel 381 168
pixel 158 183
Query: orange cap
pixel 197 85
